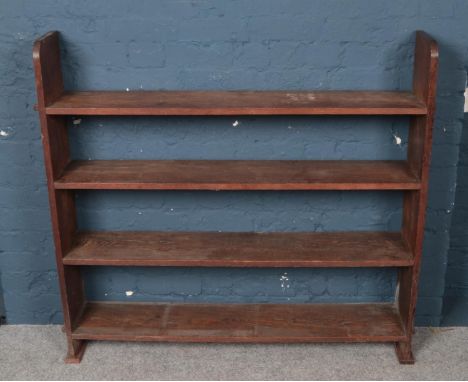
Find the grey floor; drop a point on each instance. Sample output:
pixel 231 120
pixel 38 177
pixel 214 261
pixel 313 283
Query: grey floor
pixel 36 352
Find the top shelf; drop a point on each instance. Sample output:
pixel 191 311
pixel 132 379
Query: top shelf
pixel 237 103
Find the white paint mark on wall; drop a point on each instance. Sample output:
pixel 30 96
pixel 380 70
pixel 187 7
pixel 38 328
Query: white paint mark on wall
pixel 129 293
pixel 4 133
pixel 236 123
pixel 397 140
pixel 216 76
pixel 284 280
pixel 466 100
pixel 76 121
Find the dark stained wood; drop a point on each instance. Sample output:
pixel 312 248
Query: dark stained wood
pixel 48 71
pixel 424 87
pixel 404 352
pixel 237 103
pixel 234 322
pixel 240 249
pixel 254 323
pixel 49 86
pixel 238 175
pixel 414 207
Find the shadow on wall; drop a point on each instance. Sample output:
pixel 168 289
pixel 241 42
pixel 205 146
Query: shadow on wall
pixel 455 310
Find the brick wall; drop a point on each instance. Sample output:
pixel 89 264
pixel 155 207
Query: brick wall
pixel 364 44
pixel 456 288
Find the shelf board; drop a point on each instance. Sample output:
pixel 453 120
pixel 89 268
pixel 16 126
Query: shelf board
pixel 254 323
pixel 237 175
pixel 240 249
pixel 237 103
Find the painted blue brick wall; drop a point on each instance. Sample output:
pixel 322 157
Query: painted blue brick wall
pixel 246 44
pixel 455 310
pixel 457 271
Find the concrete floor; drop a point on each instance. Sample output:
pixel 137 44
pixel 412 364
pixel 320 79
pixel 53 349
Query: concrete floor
pixel 36 353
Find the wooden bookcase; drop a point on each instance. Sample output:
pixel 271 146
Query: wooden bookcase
pixel 259 323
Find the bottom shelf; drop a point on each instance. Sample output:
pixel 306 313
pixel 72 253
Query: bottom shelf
pixel 255 323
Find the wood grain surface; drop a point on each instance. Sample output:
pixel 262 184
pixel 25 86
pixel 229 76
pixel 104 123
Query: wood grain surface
pixel 237 103
pixel 262 323
pixel 237 175
pixel 240 249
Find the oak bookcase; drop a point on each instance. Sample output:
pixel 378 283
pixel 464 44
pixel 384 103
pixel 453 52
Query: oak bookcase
pixel 257 323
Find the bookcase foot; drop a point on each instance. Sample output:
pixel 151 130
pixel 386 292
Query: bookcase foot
pixel 404 353
pixel 76 350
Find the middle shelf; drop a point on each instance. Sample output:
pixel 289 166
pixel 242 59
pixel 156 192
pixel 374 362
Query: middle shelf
pixel 240 249
pixel 238 175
